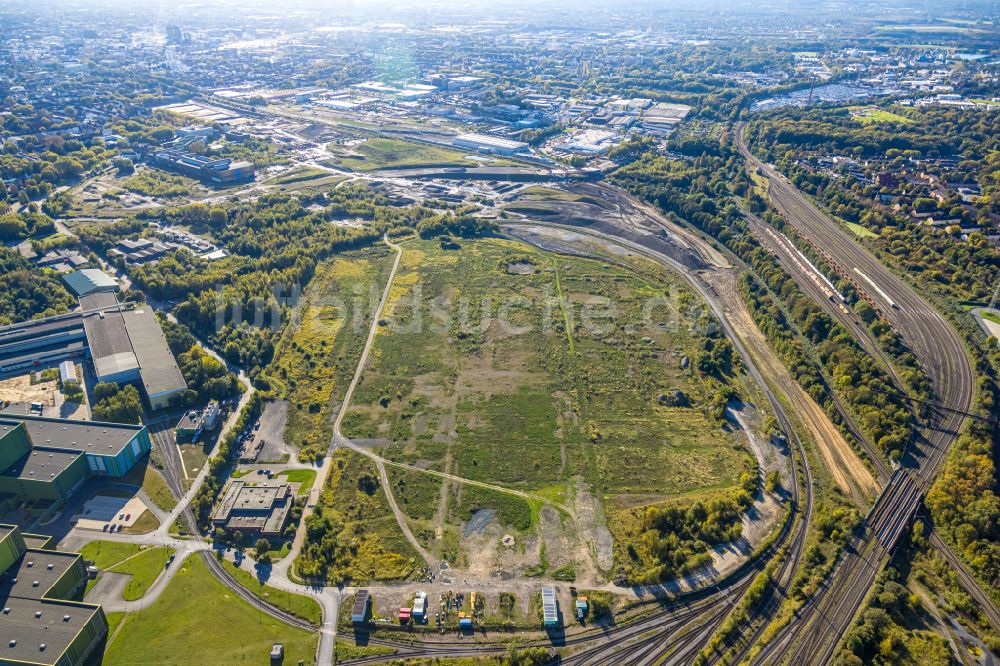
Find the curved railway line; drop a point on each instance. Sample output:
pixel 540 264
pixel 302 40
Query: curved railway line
pixel 816 632
pixel 691 620
pixel 769 237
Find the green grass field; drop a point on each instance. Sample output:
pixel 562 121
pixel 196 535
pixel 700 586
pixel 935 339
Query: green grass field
pixel 198 621
pixel 300 174
pixel 144 565
pixel 991 315
pixel 572 393
pixel 304 477
pixel 151 481
pixel 302 606
pixel 874 116
pixel 144 524
pixel 861 231
pixel 379 153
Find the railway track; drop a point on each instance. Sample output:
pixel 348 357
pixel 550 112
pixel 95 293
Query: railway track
pixel 689 622
pixel 815 634
pixel 769 237
pixel 801 505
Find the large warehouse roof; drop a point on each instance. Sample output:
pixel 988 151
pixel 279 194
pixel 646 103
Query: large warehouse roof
pixel 125 344
pixel 88 280
pixel 38 629
pixel 94 437
pixel 487 140
pixel 110 346
pixel 42 464
pixel 157 367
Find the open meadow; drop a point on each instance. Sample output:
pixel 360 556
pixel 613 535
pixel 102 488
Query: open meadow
pixel 562 378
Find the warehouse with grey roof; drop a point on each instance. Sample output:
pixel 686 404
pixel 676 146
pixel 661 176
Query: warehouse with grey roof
pixel 125 344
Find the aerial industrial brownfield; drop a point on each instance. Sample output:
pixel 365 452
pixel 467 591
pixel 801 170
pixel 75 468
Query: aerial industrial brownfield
pixel 466 333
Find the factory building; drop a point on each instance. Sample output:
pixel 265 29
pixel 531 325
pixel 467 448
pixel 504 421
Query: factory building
pixel 489 144
pixel 41 342
pixel 49 459
pixel 89 280
pixel 213 170
pixel 40 625
pixel 125 345
pixel 158 372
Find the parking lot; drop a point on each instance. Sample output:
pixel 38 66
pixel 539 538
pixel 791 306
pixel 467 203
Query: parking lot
pixel 271 431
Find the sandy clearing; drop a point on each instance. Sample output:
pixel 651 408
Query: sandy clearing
pixel 842 461
pixel 20 389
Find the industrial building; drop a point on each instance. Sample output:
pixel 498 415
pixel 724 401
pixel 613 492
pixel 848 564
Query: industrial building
pixel 213 170
pixel 550 607
pixel 158 372
pixel 489 144
pixel 362 609
pixel 49 459
pixel 139 251
pixel 126 346
pixel 89 280
pixel 40 626
pixel 41 342
pixel 195 422
pixel 254 509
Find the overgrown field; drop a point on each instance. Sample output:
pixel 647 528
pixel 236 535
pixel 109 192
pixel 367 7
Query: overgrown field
pixel 318 354
pixel 353 536
pixel 381 153
pixel 501 363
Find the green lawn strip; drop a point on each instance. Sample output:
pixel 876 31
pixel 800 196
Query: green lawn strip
pixel 304 477
pixel 106 554
pixel 156 487
pixel 144 524
pixel 114 620
pixel 565 315
pixel 199 621
pixel 299 605
pixel 348 650
pixel 151 481
pixel 143 565
pixel 990 315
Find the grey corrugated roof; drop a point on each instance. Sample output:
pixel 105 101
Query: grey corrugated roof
pixel 89 280
pixel 109 342
pixel 157 367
